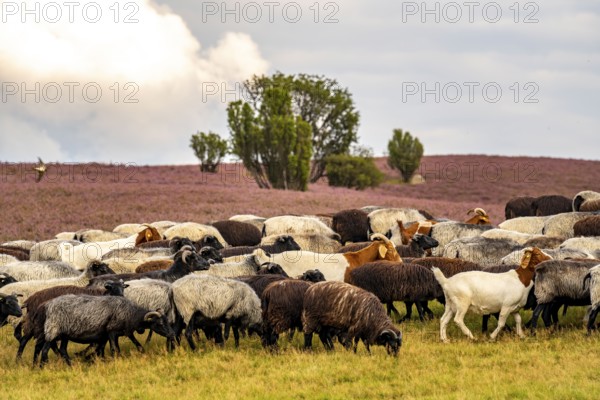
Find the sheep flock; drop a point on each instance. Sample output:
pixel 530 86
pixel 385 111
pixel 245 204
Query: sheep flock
pixel 335 275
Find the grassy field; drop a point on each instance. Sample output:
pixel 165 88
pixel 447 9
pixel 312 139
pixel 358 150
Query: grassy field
pixel 561 365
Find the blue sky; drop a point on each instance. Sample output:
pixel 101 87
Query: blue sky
pixel 512 78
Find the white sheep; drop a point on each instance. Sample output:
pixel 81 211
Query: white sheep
pixel 484 293
pixel 247 266
pixel 385 219
pixel 22 244
pixel 194 232
pixel 5 259
pixel 531 225
pixel 556 254
pixel 293 225
pixel 588 244
pixel 48 250
pixel 519 237
pixel 39 270
pixel 562 224
pixel 128 229
pixel 313 242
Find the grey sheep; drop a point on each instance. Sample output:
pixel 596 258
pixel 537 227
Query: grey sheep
pixel 445 232
pixel 92 319
pixel 480 250
pixel 21 244
pixel 206 298
pixel 355 313
pixel 39 270
pixel 562 224
pixel 593 276
pixel 587 196
pixel 248 266
pixel 558 283
pixel 33 323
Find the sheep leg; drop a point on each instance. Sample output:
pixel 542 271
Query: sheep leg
pixel 459 319
pixel 44 357
pixel 326 340
pixel 22 343
pixel 536 315
pixel 135 342
pixel 427 310
pixel 547 314
pixel 18 332
pixel 308 341
pixel 420 311
pixel 39 344
pixel 189 334
pixel 592 319
pixel 236 335
pixel 501 322
pixel 112 341
pixel 63 351
pixel 554 315
pixel 408 315
pixel 444 321
pixel 518 322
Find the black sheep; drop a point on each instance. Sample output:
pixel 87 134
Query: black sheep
pixel 351 225
pixel 281 244
pixel 519 207
pixel 238 233
pixel 551 205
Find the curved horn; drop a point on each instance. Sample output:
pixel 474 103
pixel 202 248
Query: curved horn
pixel 481 212
pixel 379 236
pixel 184 256
pixel 152 315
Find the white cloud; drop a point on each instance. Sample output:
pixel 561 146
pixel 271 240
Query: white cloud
pixel 156 63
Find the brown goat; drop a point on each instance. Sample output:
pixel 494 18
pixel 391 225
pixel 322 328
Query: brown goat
pixel 480 218
pixel 149 234
pixel 422 227
pixel 381 249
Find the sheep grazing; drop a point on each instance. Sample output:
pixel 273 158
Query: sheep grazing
pixel 282 304
pixel 551 205
pixel 445 232
pixel 351 225
pixel 33 323
pixel 49 250
pixel 341 307
pixel 39 270
pixel 587 200
pixel 154 294
pixel 16 252
pixel 310 242
pixel 92 319
pixel 557 283
pixel 248 266
pixel 97 235
pixel 196 232
pixel 480 218
pixel 205 299
pixel 484 293
pixel 5 259
pixel 593 276
pixel 279 244
pixel 292 225
pixel 481 250
pixel 333 266
pixel 397 281
pixel 9 306
pixel 27 288
pixel 562 224
pixel 385 219
pixel 519 207
pixel 238 233
pixel 531 225
pixel 185 262
pixel 589 226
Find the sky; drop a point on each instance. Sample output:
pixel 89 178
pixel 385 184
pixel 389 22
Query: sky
pixel 130 82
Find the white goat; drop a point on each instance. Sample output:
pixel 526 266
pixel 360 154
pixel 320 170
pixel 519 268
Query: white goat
pixel 484 293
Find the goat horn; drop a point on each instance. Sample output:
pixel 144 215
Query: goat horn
pixel 481 212
pixel 380 236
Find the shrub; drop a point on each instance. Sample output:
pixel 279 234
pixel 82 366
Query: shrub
pixel 210 149
pixel 352 171
pixel 405 153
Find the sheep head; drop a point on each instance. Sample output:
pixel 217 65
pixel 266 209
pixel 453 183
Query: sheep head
pixel 5 279
pixel 10 305
pixel 391 340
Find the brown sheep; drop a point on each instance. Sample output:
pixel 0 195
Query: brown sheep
pixel 340 307
pixel 589 226
pixel 351 225
pixel 16 252
pixel 238 233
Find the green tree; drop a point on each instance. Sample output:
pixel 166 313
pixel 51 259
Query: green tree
pixel 274 144
pixel 210 150
pixel 405 153
pixel 353 171
pixel 328 109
